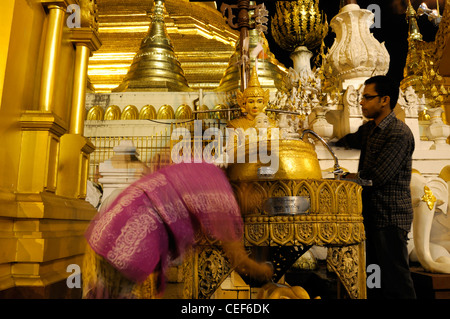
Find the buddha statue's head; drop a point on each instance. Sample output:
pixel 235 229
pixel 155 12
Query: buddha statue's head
pixel 254 99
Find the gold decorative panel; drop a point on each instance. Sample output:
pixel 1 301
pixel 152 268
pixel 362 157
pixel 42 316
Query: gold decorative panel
pixel 112 113
pixel 333 220
pixel 165 112
pixel 130 112
pixel 184 112
pixel 95 113
pixel 147 112
pixel 326 196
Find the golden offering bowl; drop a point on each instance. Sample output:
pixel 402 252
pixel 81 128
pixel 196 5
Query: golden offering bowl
pixel 296 159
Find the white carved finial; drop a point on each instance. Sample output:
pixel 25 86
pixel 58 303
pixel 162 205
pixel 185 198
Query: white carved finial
pixel 355 54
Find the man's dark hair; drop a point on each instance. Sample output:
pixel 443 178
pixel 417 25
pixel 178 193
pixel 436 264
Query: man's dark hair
pixel 384 86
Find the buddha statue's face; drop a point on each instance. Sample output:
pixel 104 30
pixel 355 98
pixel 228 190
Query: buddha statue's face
pixel 254 105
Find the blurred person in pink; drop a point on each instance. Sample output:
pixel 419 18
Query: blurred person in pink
pixel 153 222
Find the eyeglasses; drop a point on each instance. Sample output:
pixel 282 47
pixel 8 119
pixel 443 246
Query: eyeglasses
pixel 369 97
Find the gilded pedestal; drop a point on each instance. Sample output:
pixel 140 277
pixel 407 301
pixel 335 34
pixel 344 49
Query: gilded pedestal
pixel 334 220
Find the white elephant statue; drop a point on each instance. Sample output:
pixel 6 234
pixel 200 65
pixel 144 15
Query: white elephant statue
pixel 431 224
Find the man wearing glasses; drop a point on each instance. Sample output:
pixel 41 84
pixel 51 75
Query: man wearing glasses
pixel 386 145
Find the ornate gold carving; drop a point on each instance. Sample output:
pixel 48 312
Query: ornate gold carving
pixel 323 229
pixel 348 263
pixel 257 234
pixel 428 197
pixel 306 233
pixel 130 112
pixel 298 23
pixel 282 233
pixel 326 196
pixel 213 268
pixel 112 113
pixel 147 112
pixel 442 35
pixel 184 112
pixel 334 220
pixel 326 202
pixel 279 189
pixel 342 200
pixel 328 231
pixel 95 113
pixel 165 112
pixel 289 236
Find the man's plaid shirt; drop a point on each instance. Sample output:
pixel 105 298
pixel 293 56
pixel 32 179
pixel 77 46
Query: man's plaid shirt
pixel 386 159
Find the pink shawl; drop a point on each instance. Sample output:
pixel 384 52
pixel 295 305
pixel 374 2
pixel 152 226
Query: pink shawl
pixel 154 220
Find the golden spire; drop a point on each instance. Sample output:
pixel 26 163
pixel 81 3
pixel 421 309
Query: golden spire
pixel 414 33
pixel 413 58
pixel 254 82
pixel 155 66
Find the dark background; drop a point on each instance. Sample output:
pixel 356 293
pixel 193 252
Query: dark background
pixel 393 29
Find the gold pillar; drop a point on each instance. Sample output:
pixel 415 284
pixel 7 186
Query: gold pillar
pixel 75 148
pixel 50 61
pixel 46 227
pixel 79 89
pixel 42 128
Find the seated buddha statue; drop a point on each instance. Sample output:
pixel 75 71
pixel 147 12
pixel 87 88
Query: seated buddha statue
pixel 252 102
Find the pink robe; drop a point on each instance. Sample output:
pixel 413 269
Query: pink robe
pixel 158 217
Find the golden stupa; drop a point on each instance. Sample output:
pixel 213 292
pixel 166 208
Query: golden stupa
pixel 155 66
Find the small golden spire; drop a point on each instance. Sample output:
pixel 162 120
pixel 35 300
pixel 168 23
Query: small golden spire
pixel 155 66
pixel 254 82
pixel 413 58
pixel 414 32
